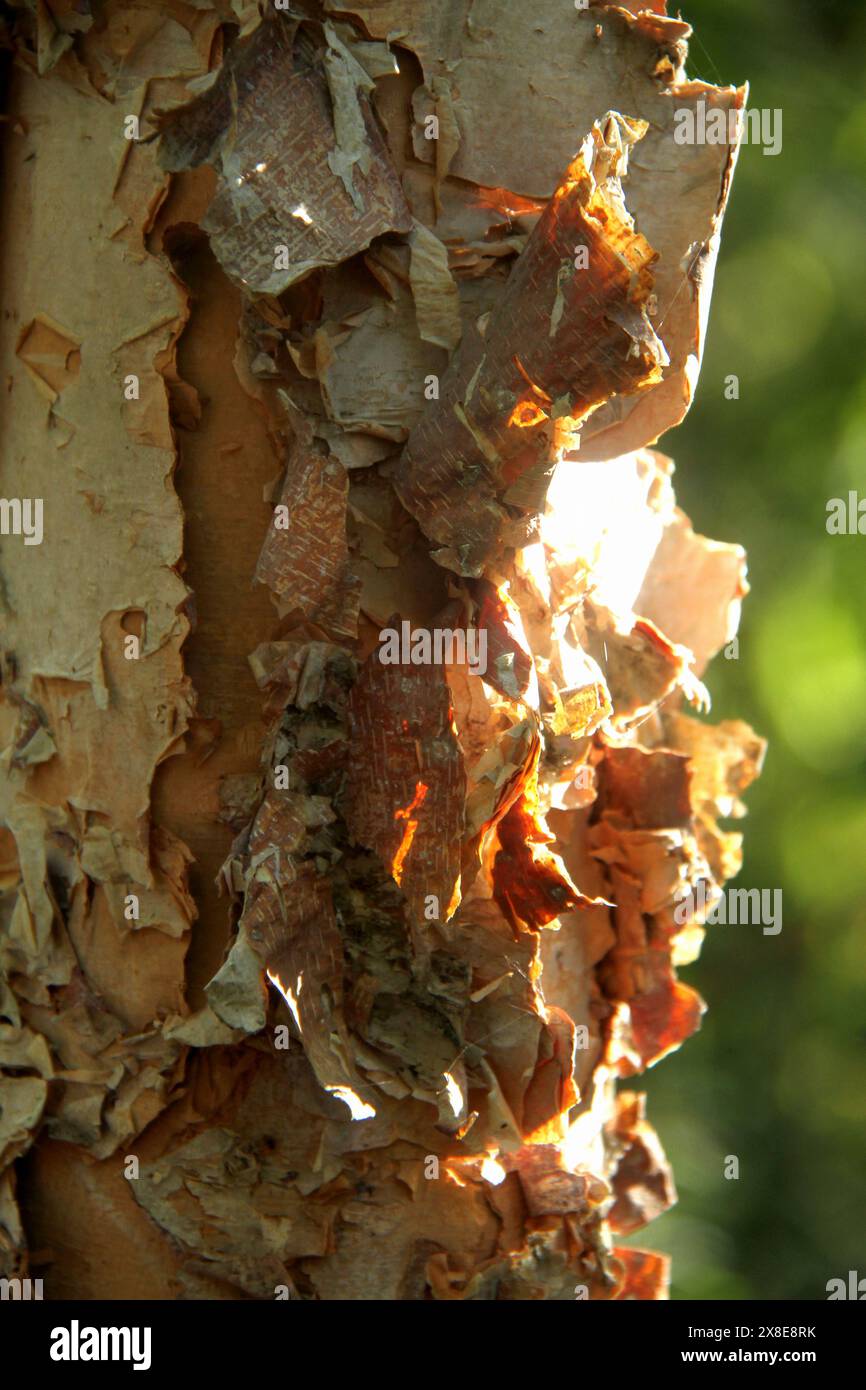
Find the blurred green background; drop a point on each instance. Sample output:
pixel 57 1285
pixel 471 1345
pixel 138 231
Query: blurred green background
pixel 777 1074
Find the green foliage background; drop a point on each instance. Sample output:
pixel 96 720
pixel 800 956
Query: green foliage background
pixel 777 1074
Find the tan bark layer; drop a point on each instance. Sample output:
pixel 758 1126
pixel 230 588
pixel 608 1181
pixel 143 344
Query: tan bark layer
pixel 320 967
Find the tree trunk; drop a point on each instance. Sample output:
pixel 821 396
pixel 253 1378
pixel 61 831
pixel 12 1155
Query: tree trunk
pixel 353 824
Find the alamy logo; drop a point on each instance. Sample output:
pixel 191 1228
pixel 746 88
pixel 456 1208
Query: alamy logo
pixel 854 1289
pixel 22 516
pixel 21 1289
pixel 846 519
pixel 717 125
pixel 438 646
pixel 734 906
pixel 76 1343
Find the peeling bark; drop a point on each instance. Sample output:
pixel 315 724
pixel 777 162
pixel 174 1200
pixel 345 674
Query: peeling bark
pixel 349 793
